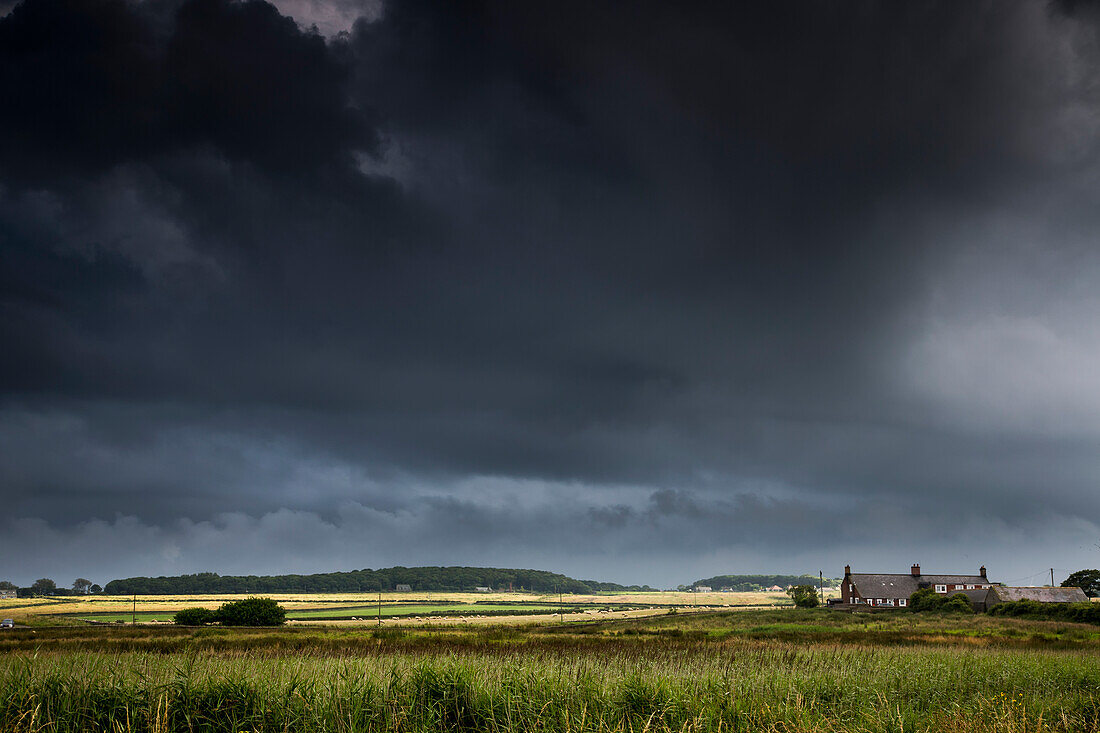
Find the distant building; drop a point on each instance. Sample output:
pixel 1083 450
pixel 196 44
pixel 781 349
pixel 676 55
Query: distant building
pixel 8 594
pixel 1004 594
pixel 775 589
pixel 404 587
pixel 702 589
pixel 892 590
pixel 483 589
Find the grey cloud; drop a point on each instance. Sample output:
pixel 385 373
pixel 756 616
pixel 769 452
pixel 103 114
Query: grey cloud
pixel 714 283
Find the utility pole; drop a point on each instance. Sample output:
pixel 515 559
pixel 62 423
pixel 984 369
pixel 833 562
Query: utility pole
pixel 821 586
pixel 380 604
pixel 561 606
pixel 1052 577
pixel 133 616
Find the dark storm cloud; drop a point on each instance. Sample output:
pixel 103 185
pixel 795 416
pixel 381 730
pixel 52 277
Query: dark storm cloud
pixel 746 286
pixel 93 85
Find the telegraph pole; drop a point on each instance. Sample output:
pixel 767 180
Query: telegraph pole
pixel 821 586
pixel 133 616
pixel 379 603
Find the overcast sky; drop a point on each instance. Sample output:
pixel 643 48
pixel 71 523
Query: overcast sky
pixel 634 292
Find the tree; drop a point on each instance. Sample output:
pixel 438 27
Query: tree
pixel 82 585
pixel 251 612
pixel 1086 580
pixel 7 585
pixel 96 588
pixel 804 596
pixel 44 586
pixel 194 617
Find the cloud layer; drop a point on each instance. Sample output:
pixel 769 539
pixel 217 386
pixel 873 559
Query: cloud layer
pixel 325 285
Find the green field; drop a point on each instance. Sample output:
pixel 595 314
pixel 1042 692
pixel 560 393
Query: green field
pixel 770 670
pixel 397 607
pixel 361 612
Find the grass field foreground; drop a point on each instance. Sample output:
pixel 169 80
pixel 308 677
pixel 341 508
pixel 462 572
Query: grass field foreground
pixel 663 686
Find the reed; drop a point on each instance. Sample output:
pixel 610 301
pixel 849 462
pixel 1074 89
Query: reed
pixel 652 686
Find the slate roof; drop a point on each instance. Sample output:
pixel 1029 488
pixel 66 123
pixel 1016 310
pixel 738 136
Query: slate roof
pixel 903 585
pixel 1043 595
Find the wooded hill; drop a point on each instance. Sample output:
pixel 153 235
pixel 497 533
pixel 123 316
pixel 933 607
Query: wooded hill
pixel 758 582
pixel 418 579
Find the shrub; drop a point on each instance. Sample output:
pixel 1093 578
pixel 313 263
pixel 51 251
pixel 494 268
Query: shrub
pixel 1085 613
pixel 194 617
pixel 926 599
pixel 957 603
pixel 251 612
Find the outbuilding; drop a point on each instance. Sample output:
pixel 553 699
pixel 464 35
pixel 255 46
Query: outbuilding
pixel 1005 594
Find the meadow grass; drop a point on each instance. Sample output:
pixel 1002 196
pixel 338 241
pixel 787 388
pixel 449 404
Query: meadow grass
pixel 654 686
pixel 765 670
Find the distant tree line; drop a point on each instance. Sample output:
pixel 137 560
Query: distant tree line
pixel 759 582
pixel 418 579
pixel 47 587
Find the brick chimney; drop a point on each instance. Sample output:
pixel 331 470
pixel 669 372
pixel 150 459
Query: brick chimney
pixel 981 571
pixel 847 570
pixel 915 570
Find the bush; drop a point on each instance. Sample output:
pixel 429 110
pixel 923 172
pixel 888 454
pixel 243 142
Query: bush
pixel 251 612
pixel 926 599
pixel 957 603
pixel 194 617
pixel 1084 613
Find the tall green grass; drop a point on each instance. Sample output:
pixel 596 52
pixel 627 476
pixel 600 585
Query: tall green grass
pixel 641 687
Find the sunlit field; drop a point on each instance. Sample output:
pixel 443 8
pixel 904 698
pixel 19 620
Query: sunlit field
pixel 392 606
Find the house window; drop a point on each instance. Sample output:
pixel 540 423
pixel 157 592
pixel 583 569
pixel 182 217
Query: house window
pixel 970 587
pixel 902 601
pixel 941 588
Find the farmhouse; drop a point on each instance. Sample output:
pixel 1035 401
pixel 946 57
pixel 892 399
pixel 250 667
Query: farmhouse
pixel 8 594
pixel 403 587
pixel 889 590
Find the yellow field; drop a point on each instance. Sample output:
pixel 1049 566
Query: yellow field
pixel 70 609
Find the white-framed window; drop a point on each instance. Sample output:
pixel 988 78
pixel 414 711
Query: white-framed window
pixel 851 588
pixel 903 601
pixel 969 587
pixel 941 588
